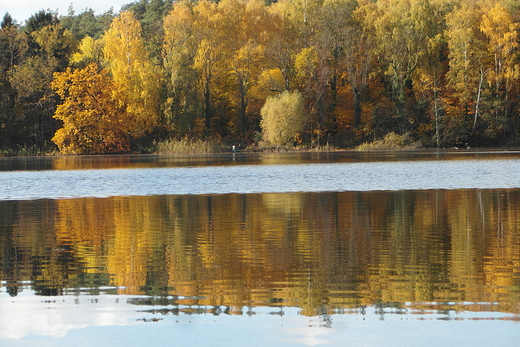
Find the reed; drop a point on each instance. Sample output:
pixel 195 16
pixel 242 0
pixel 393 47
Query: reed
pixel 187 146
pixel 28 151
pixel 391 141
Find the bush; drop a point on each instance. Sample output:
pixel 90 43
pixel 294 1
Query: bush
pixel 283 117
pixel 391 141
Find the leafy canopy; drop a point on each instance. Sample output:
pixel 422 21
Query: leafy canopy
pixel 93 121
pixel 283 117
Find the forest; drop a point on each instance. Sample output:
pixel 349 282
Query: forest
pixel 308 73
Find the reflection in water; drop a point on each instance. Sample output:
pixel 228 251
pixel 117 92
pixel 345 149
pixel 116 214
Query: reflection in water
pixel 243 158
pixel 399 252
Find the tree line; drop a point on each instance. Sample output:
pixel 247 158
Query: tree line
pixel 342 72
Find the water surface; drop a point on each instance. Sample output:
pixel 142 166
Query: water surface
pixel 344 250
pixel 275 175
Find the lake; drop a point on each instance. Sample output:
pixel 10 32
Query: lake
pixel 417 248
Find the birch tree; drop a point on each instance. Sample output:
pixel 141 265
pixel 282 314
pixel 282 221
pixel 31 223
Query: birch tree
pixel 135 78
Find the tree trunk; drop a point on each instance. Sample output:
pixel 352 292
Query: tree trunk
pixel 357 107
pixel 479 93
pixel 207 105
pixel 242 110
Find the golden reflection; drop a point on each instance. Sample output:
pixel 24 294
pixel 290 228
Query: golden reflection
pixel 431 250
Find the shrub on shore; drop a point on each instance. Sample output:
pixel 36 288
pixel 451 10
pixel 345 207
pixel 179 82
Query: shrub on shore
pixel 391 141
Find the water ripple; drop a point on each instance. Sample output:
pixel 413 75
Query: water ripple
pixel 413 175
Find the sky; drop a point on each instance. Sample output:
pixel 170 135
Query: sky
pixel 21 10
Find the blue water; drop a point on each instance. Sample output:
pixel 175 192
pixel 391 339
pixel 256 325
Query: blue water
pixel 224 179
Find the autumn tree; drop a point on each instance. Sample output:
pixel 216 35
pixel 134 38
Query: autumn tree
pixel 248 59
pixel 150 14
pixel 210 24
pixel 445 71
pixel 216 46
pixel 88 51
pixel 182 103
pixel 502 36
pixel 281 48
pixel 401 30
pixel 93 120
pixel 135 79
pixel 311 79
pixel 309 71
pixel 357 60
pixel 283 117
pixel 303 15
pixel 347 52
pixel 246 65
pixel 466 76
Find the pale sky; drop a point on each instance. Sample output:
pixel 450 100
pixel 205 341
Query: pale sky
pixel 21 10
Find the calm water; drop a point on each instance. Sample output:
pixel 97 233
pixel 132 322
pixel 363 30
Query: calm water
pixel 351 249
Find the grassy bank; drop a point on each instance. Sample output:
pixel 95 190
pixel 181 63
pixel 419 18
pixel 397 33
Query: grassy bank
pixel 188 146
pixel 391 141
pixel 27 152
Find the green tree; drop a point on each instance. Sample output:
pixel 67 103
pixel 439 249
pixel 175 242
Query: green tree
pixel 41 52
pixel 283 117
pixel 87 23
pixel 34 102
pixel 8 131
pixel 9 44
pixel 39 20
pixel 8 53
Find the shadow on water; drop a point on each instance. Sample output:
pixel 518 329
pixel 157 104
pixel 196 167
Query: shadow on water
pixel 89 162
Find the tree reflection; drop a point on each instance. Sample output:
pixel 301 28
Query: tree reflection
pixel 322 252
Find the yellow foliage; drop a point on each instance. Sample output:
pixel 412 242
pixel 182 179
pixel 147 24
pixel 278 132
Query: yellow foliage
pixel 136 80
pixel 283 117
pixel 90 51
pixel 93 122
pixel 305 62
pixel 466 52
pixel 179 43
pixel 269 82
pixel 502 32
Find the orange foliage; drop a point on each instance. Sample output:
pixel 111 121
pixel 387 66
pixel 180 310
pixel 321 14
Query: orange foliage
pixel 93 122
